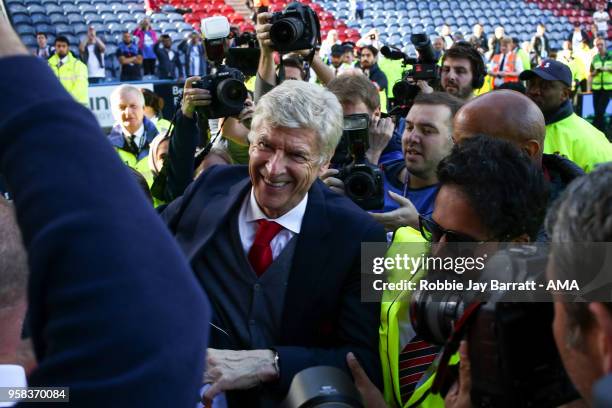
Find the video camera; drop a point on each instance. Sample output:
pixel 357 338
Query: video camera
pixel 363 181
pixel 514 360
pixel 295 28
pixel 425 68
pixel 225 84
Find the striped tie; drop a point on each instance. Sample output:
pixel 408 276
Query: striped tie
pixel 414 360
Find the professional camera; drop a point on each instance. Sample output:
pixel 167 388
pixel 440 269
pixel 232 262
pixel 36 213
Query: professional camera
pixel 322 387
pixel 228 92
pixel 514 360
pixel 295 28
pixel 226 85
pixel 424 68
pixel 363 182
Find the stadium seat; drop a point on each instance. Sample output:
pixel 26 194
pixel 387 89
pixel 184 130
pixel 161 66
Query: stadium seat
pixel 22 19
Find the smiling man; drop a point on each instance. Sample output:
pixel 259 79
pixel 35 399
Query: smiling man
pixel 279 253
pixel 132 132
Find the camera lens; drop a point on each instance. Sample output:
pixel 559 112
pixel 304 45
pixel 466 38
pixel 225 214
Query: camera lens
pixel 404 92
pixel 360 185
pixel 232 93
pixel 286 31
pixel 433 314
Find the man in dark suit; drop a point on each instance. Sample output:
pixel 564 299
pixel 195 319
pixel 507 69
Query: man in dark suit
pixel 114 310
pixel 279 253
pixel 169 63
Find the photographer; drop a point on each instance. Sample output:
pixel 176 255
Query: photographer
pixel 266 72
pixel 582 329
pixel 474 182
pixel 411 184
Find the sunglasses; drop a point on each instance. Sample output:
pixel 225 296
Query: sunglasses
pixel 433 232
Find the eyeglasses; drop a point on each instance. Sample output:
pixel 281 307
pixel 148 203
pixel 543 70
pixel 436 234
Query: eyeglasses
pixel 432 232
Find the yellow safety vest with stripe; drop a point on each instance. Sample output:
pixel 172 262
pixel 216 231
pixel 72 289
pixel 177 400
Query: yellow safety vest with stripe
pixel 394 310
pixel 73 76
pixel 603 80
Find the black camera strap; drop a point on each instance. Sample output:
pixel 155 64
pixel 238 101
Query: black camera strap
pixel 452 345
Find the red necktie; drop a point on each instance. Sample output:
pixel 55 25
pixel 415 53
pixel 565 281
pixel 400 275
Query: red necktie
pixel 260 254
pixel 414 360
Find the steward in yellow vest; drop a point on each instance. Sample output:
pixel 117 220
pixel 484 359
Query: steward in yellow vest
pixel 134 149
pixel 70 71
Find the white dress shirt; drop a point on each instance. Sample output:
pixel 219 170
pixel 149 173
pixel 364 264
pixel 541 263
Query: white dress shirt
pixel 12 376
pixel 138 135
pixel 250 212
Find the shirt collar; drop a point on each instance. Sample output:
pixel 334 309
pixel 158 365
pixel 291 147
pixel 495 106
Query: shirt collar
pixel 65 59
pixel 137 135
pixel 292 220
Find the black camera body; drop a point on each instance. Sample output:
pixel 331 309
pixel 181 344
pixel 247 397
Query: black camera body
pixel 227 90
pixel 513 356
pixel 424 68
pixel 294 28
pixel 363 182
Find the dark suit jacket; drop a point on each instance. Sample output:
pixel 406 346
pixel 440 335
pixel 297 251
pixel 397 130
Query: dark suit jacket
pixel 115 312
pixel 323 317
pixel 168 68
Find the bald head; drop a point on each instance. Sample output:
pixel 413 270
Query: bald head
pixel 504 114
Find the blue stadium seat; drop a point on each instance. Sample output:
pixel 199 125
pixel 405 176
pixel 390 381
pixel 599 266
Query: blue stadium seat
pixel 120 8
pixel 63 29
pixel 15 9
pixel 80 29
pixel 48 2
pixel 74 18
pixel 53 8
pixel 22 19
pixel 71 8
pixel 57 19
pixel 29 41
pixel 92 18
pixel 39 18
pixel 115 28
pixel 25 29
pixel 86 8
pixel 45 28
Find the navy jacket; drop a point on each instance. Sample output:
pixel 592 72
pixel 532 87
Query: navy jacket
pixel 115 311
pixel 323 316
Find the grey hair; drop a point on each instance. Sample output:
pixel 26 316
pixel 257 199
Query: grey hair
pixel 123 90
pixel 299 104
pixel 579 219
pixel 13 258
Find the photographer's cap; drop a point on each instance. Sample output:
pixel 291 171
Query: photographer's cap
pixel 549 70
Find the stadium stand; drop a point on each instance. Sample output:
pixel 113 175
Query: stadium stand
pixel 395 19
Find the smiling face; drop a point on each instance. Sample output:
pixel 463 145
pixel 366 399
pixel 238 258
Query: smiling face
pixel 427 139
pixel 283 164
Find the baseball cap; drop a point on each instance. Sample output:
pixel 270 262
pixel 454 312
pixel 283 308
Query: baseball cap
pixel 549 70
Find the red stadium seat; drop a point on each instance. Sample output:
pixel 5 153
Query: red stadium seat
pixel 235 18
pixel 246 26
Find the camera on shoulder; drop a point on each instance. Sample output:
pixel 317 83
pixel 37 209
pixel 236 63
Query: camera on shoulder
pixel 363 182
pixel 295 28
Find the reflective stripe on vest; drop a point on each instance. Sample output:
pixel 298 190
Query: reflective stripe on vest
pixel 509 65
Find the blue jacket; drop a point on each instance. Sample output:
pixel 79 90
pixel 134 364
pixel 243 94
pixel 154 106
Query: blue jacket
pixel 118 140
pixel 115 311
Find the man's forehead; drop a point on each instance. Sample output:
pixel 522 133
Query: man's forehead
pixel 456 62
pixel 429 114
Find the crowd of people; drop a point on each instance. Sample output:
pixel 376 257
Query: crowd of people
pixel 234 261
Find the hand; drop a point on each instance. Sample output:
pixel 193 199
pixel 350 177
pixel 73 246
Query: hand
pixel 263 32
pixel 372 398
pixel 246 115
pixel 193 97
pixel 335 184
pixel 10 44
pixel 405 215
pixel 381 131
pixel 459 394
pixel 424 87
pixel 237 370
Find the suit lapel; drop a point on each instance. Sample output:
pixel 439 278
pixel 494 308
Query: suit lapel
pixel 308 271
pixel 215 213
